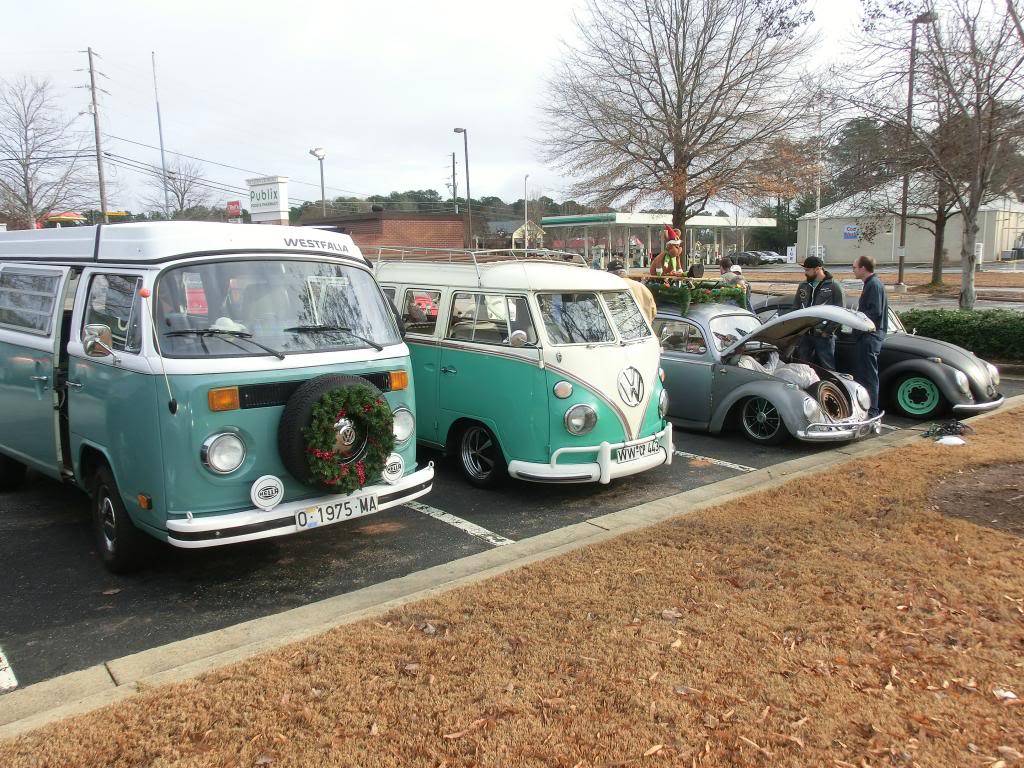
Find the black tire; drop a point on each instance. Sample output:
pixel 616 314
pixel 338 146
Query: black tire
pixel 762 423
pixel 298 412
pixel 12 474
pixel 119 543
pixel 479 455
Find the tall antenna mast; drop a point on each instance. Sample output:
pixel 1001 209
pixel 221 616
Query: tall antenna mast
pixel 160 129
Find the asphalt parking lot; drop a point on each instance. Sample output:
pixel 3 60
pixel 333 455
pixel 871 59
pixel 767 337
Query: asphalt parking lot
pixel 63 612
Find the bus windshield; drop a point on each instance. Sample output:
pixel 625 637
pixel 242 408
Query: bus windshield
pixel 239 307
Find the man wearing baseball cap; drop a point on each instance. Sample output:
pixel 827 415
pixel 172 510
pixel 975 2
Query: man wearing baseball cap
pixel 818 346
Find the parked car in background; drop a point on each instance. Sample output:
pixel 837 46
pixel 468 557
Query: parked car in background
pixel 723 366
pixel 920 378
pixel 771 257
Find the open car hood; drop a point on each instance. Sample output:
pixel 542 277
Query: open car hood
pixel 780 331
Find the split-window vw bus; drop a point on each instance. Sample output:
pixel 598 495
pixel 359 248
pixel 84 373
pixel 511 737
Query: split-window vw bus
pixel 172 371
pixel 529 366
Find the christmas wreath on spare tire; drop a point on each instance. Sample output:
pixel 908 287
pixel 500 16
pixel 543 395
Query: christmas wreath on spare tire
pixel 336 432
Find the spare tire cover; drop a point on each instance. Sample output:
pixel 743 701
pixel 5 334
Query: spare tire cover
pixel 298 411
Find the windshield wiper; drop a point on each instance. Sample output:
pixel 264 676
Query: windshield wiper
pixel 328 328
pixel 201 332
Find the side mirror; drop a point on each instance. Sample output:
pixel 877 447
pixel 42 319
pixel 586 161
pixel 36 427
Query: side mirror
pixel 98 340
pixel 518 338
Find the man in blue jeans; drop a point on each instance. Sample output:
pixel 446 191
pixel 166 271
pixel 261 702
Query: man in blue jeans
pixel 875 305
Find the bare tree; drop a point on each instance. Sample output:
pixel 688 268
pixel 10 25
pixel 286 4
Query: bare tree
pixel 971 90
pixel 43 160
pixel 1011 10
pixel 670 99
pixel 187 189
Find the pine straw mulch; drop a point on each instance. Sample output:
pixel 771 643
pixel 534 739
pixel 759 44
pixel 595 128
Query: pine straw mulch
pixel 835 621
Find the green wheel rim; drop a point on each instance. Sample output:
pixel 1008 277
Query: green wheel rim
pixel 918 395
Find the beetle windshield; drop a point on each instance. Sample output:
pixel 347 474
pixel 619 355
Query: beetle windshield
pixel 728 329
pixel 574 318
pixel 242 307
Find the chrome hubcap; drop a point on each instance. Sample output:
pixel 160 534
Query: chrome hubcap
pixel 478 453
pixel 108 524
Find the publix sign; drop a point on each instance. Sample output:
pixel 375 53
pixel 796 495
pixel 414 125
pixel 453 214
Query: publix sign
pixel 268 197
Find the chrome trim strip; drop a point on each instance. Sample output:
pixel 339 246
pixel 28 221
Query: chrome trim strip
pixel 991 405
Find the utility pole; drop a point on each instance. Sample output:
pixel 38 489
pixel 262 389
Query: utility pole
pixel 526 217
pixel 99 146
pixel 160 129
pixel 455 186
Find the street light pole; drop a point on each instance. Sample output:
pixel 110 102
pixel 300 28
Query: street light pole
pixel 526 218
pixel 924 18
pixel 469 197
pixel 320 154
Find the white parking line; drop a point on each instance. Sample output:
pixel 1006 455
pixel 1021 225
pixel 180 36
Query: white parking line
pixel 719 462
pixel 465 526
pixel 8 682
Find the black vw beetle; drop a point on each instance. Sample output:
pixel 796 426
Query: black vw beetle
pixel 919 377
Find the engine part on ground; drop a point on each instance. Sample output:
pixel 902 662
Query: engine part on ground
pixel 952 427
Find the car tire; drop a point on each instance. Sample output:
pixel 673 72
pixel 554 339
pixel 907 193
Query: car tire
pixel 480 458
pixel 917 397
pixel 762 423
pixel 119 543
pixel 298 412
pixel 12 474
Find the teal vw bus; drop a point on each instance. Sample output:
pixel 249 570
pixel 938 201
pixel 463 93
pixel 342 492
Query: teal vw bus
pixel 529 366
pixel 175 371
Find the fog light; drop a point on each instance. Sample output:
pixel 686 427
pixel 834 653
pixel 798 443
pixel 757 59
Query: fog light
pixel 562 390
pixel 405 425
pixel 223 453
pixel 580 419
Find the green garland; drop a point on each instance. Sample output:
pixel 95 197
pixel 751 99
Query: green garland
pixel 370 416
pixel 687 292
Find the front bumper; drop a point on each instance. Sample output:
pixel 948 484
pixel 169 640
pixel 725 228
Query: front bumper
pixel 603 470
pixel 233 527
pixel 972 408
pixel 827 432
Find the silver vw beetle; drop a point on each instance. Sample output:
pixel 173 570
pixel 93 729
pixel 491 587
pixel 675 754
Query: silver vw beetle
pixel 722 367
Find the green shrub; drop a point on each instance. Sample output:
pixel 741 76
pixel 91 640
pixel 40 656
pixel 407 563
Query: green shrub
pixel 996 334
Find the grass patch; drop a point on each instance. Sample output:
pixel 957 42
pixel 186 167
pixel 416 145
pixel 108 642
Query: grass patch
pixel 833 622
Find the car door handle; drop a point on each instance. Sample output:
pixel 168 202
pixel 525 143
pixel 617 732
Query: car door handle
pixel 448 370
pixel 75 384
pixel 40 378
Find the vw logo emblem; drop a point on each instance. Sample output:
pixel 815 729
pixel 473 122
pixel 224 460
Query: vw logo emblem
pixel 631 386
pixel 344 436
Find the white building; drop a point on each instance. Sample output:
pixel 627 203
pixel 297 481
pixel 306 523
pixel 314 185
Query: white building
pixel 867 224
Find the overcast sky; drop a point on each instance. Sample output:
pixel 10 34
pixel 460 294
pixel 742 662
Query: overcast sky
pixel 378 85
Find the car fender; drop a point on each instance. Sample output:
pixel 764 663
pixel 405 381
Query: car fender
pixel 943 375
pixel 787 397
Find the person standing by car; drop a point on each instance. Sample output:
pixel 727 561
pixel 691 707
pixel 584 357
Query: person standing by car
pixel 641 293
pixel 873 303
pixel 818 346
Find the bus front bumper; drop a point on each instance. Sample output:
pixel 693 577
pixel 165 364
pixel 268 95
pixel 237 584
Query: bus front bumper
pixel 656 450
pixel 251 524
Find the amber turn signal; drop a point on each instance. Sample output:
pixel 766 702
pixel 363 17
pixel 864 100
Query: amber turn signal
pixel 145 501
pixel 398 380
pixel 223 399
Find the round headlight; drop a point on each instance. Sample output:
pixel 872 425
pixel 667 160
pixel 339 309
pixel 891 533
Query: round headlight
pixel 405 424
pixel 223 453
pixel 961 382
pixel 580 419
pixel 863 398
pixel 663 404
pixel 661 375
pixel 993 374
pixel 562 389
pixel 811 408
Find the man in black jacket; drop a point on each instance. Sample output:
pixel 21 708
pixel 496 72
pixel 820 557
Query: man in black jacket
pixel 873 303
pixel 818 346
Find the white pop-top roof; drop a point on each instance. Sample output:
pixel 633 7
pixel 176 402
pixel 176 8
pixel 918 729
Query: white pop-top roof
pixel 161 241
pixel 504 276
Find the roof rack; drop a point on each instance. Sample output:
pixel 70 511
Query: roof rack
pixel 474 257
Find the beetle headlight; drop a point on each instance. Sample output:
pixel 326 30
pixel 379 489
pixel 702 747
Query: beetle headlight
pixel 863 398
pixel 811 408
pixel 961 382
pixel 223 453
pixel 663 404
pixel 580 419
pixel 404 425
pixel 993 374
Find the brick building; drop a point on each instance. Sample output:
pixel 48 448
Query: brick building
pixel 410 228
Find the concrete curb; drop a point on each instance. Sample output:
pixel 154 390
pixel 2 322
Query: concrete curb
pixel 79 692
